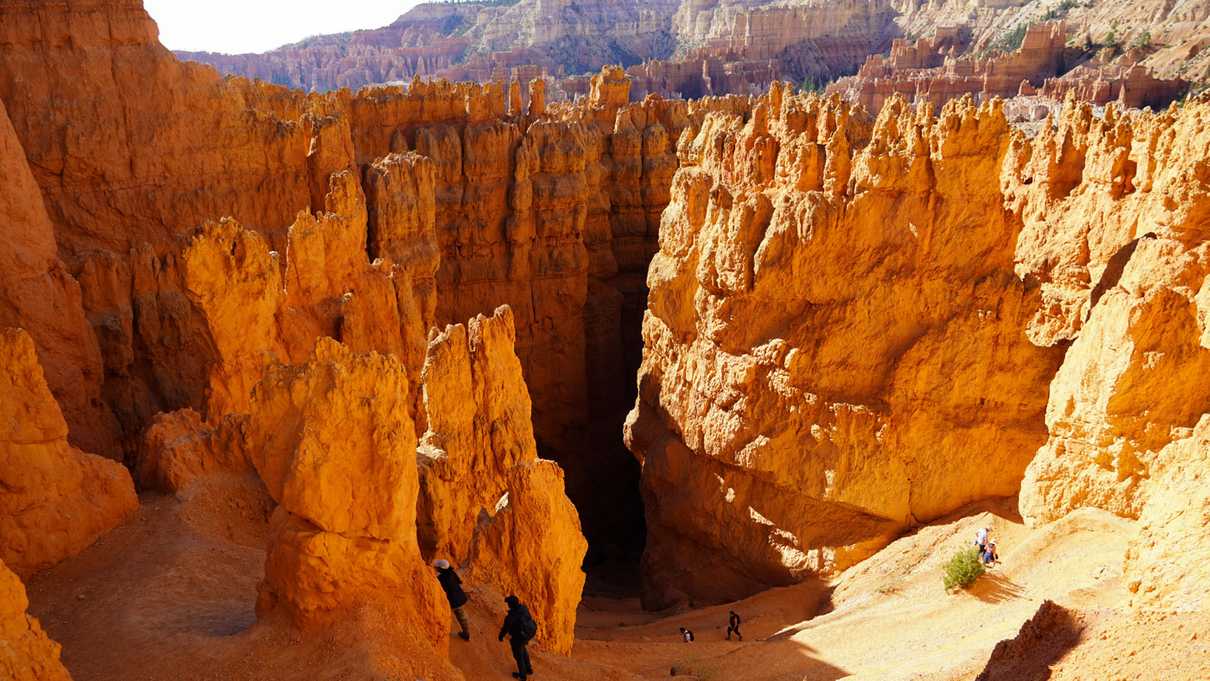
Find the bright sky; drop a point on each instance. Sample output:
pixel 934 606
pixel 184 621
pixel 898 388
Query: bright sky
pixel 258 25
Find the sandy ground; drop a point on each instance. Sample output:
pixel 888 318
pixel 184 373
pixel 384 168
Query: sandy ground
pixel 171 595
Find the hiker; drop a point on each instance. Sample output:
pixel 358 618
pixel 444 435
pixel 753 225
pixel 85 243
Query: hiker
pixel 520 627
pixel 451 584
pixel 990 555
pixel 686 635
pixel 733 622
pixel 981 539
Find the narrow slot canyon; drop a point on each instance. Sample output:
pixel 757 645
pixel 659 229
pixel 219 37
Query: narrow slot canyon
pixel 267 356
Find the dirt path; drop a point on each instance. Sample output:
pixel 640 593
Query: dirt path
pixel 171 595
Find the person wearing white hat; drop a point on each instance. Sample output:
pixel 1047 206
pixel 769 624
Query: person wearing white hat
pixel 451 584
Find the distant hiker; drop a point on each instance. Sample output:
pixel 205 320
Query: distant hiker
pixel 520 627
pixel 686 635
pixel 981 538
pixel 452 586
pixel 733 622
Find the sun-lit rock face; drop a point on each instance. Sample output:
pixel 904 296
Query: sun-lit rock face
pixel 26 653
pixel 486 500
pixel 834 343
pixel 55 500
pixel 1168 563
pixel 529 544
pixel 333 441
pixel 1116 210
pixel 1131 379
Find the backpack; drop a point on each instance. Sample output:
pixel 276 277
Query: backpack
pixel 526 626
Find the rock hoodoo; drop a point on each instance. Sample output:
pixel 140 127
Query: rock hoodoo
pixel 335 446
pixel 486 500
pixel 55 500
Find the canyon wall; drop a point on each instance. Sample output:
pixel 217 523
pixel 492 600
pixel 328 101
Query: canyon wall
pixel 934 70
pixel 470 201
pixel 834 346
pixel 806 391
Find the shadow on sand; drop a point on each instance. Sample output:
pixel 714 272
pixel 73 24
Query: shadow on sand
pixel 1043 639
pixel 993 587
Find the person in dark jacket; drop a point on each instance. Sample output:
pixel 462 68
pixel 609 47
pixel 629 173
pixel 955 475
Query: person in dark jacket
pixel 520 627
pixel 686 635
pixel 733 622
pixel 451 584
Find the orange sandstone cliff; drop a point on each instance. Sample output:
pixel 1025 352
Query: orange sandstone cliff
pixel 834 345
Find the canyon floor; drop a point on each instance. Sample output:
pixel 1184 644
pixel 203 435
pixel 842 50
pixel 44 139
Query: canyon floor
pixel 171 594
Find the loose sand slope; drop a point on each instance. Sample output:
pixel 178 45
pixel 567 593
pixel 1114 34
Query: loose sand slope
pixel 171 596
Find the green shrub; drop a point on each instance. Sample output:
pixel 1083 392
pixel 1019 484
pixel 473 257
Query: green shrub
pixel 963 569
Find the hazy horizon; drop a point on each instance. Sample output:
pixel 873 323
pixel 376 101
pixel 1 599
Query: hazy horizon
pixel 237 26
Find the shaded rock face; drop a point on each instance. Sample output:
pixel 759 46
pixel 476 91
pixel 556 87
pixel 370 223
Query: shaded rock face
pixel 1042 640
pixel 486 500
pixel 55 500
pixel 26 653
pixel 834 342
pixel 38 294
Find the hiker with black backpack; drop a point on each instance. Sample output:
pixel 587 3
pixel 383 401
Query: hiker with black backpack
pixel 521 628
pixel 452 586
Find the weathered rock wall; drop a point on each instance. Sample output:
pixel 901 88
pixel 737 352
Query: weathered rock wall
pixel 38 294
pixel 553 213
pixel 834 343
pixel 1116 214
pixel 772 409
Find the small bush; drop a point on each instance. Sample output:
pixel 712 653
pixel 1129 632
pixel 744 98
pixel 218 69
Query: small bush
pixel 963 569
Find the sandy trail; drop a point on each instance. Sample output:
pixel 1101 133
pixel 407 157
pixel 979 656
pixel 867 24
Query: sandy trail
pixel 171 595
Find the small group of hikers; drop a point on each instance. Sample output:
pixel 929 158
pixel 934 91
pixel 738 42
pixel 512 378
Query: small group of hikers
pixel 986 546
pixel 733 622
pixel 518 624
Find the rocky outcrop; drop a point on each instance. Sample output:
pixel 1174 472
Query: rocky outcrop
pixel 26 653
pixel 486 500
pixel 1123 288
pixel 55 500
pixel 932 70
pixel 1114 403
pixel 811 383
pixel 335 446
pixel 1130 84
pixel 179 447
